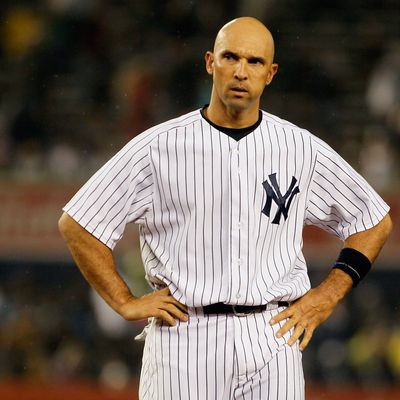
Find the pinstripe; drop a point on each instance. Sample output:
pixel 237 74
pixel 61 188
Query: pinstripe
pixel 250 274
pixel 215 369
pixel 225 349
pixel 346 197
pixel 157 370
pixel 346 211
pixel 207 352
pixel 326 209
pixel 197 363
pixel 346 173
pixel 183 214
pixel 175 236
pixel 255 225
pixel 178 375
pixel 169 370
pixel 231 247
pixel 286 371
pixel 199 206
pixel 239 244
pixel 170 203
pixel 212 216
pixel 266 233
pixel 187 362
pixel 195 277
pixel 221 219
pixel 243 361
pixel 161 199
pixel 252 346
pixel 163 371
pixel 204 208
pixel 272 249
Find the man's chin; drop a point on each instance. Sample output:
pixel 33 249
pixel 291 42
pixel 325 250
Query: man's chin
pixel 239 104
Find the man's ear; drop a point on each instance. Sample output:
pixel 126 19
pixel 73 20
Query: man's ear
pixel 272 71
pixel 209 58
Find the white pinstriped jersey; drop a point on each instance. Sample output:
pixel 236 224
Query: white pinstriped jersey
pixel 221 220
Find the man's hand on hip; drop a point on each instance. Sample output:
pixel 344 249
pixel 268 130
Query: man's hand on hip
pixel 311 310
pixel 160 304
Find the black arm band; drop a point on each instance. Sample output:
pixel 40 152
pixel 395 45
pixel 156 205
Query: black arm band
pixel 354 264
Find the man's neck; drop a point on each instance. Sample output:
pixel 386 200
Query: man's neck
pixel 230 117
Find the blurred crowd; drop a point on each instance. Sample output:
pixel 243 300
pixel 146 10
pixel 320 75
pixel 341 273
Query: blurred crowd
pixel 50 332
pixel 360 343
pixel 79 78
pixel 55 330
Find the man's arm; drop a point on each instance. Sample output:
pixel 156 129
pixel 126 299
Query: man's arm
pixel 96 262
pixel 311 310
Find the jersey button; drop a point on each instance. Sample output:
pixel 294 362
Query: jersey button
pixel 238 295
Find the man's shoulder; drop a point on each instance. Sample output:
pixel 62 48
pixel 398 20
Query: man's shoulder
pixel 146 138
pixel 288 126
pixel 174 123
pixel 278 121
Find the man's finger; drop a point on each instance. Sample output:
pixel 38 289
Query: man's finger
pixel 298 331
pixel 289 324
pixel 169 298
pixel 281 316
pixel 166 317
pixel 308 333
pixel 174 311
pixel 175 302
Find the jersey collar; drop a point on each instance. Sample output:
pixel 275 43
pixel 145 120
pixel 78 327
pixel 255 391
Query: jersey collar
pixel 235 133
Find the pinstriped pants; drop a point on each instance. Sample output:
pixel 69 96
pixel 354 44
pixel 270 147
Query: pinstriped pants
pixel 220 357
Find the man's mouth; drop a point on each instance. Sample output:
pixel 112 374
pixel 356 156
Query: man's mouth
pixel 239 89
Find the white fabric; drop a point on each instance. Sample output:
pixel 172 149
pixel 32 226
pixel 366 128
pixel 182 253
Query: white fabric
pixel 220 357
pixel 198 196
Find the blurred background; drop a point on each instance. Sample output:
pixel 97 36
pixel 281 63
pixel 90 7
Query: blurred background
pixel 79 78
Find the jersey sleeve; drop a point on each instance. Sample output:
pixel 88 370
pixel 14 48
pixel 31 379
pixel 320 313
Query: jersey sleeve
pixel 118 193
pixel 340 200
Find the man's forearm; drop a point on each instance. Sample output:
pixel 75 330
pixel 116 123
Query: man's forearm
pixel 371 241
pixel 96 262
pixel 335 286
pixel 361 249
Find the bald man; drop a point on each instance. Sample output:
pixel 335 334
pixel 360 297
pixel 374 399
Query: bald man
pixel 221 195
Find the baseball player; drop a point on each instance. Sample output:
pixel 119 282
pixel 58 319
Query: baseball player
pixel 221 196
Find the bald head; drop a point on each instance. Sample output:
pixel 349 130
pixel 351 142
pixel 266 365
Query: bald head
pixel 245 31
pixel 241 66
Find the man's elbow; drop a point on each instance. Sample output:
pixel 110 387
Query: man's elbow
pixel 65 226
pixel 387 225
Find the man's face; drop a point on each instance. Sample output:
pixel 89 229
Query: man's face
pixel 241 66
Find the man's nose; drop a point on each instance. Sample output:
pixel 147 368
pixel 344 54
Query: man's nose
pixel 241 70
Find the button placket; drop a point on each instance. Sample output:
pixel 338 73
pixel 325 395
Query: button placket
pixel 235 231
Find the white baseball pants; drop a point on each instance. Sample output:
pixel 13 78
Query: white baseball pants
pixel 220 357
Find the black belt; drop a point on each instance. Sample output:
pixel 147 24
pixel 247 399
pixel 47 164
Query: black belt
pixel 222 308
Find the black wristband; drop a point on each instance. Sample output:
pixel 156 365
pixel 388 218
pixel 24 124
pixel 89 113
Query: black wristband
pixel 354 263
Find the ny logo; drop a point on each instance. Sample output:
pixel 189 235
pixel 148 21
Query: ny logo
pixel 283 202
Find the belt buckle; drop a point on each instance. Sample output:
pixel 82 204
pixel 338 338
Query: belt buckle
pixel 240 314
